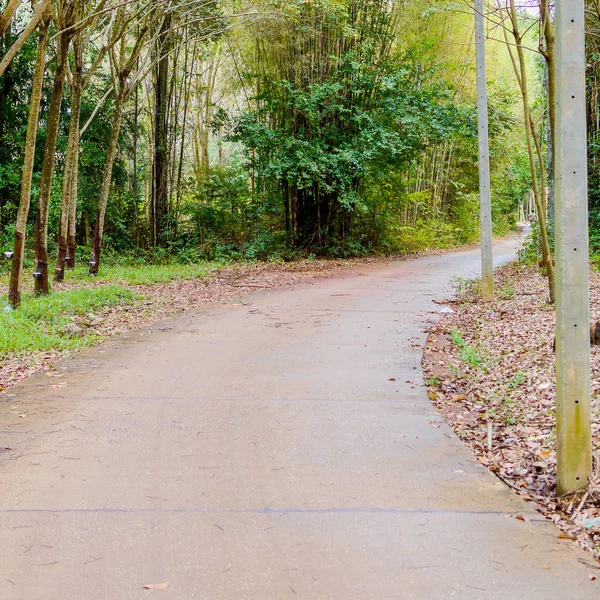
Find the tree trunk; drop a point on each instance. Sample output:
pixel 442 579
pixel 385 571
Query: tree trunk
pixel 87 228
pixel 14 290
pixel 533 146
pixel 548 52
pixel 42 285
pixel 71 231
pixel 40 11
pixel 7 16
pixel 106 180
pixel 159 202
pixel 69 197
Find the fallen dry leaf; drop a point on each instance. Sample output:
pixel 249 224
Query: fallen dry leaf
pixel 156 586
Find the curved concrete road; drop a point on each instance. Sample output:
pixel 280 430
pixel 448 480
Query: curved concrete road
pixel 258 450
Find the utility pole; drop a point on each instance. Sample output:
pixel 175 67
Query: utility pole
pixel 485 199
pixel 573 416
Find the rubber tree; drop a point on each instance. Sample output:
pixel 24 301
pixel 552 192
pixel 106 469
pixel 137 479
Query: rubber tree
pixel 85 28
pixel 67 14
pixel 14 290
pixel 70 172
pixel 159 205
pixel 127 69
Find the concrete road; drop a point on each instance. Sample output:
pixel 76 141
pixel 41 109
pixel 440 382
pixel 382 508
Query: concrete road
pixel 260 450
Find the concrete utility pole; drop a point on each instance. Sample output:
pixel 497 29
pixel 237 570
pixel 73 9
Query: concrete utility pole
pixel 573 420
pixel 485 202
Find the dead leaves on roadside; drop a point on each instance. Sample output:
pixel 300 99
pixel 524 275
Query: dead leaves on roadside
pixel 503 378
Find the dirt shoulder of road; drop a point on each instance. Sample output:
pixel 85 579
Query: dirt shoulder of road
pixel 490 372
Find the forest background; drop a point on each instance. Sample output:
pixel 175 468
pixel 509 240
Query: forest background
pixel 191 130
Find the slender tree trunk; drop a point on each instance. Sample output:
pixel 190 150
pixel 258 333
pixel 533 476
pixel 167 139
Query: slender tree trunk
pixel 42 285
pixel 7 16
pixel 549 54
pixel 86 228
pixel 135 182
pixel 161 124
pixel 14 290
pixel 533 147
pixel 69 197
pixel 71 232
pixel 106 180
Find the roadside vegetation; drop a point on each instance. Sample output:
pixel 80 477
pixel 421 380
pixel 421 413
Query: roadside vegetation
pixel 49 323
pixel 146 144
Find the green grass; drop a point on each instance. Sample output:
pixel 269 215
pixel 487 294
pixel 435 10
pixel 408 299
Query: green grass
pixel 466 286
pixel 142 274
pixel 39 323
pixel 519 378
pixel 132 274
pixel 434 381
pixel 468 354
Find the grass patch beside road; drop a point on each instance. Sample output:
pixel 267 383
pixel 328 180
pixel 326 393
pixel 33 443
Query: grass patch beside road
pixel 129 274
pixel 62 321
pixel 142 274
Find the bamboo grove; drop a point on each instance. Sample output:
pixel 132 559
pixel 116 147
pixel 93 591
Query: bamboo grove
pixel 183 130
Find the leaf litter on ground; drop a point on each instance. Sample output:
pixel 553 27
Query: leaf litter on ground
pixel 491 367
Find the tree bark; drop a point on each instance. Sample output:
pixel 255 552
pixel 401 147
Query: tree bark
pixel 160 166
pixel 14 290
pixel 66 244
pixel 107 180
pixel 548 52
pixel 40 11
pixel 42 285
pixel 533 148
pixel 7 16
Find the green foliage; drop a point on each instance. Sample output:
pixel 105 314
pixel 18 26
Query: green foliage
pixel 41 323
pixel 506 292
pixel 15 89
pixel 518 379
pixel 358 136
pixel 468 354
pixel 320 135
pixel 530 252
pixel 434 381
pixel 467 287
pixel 341 140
